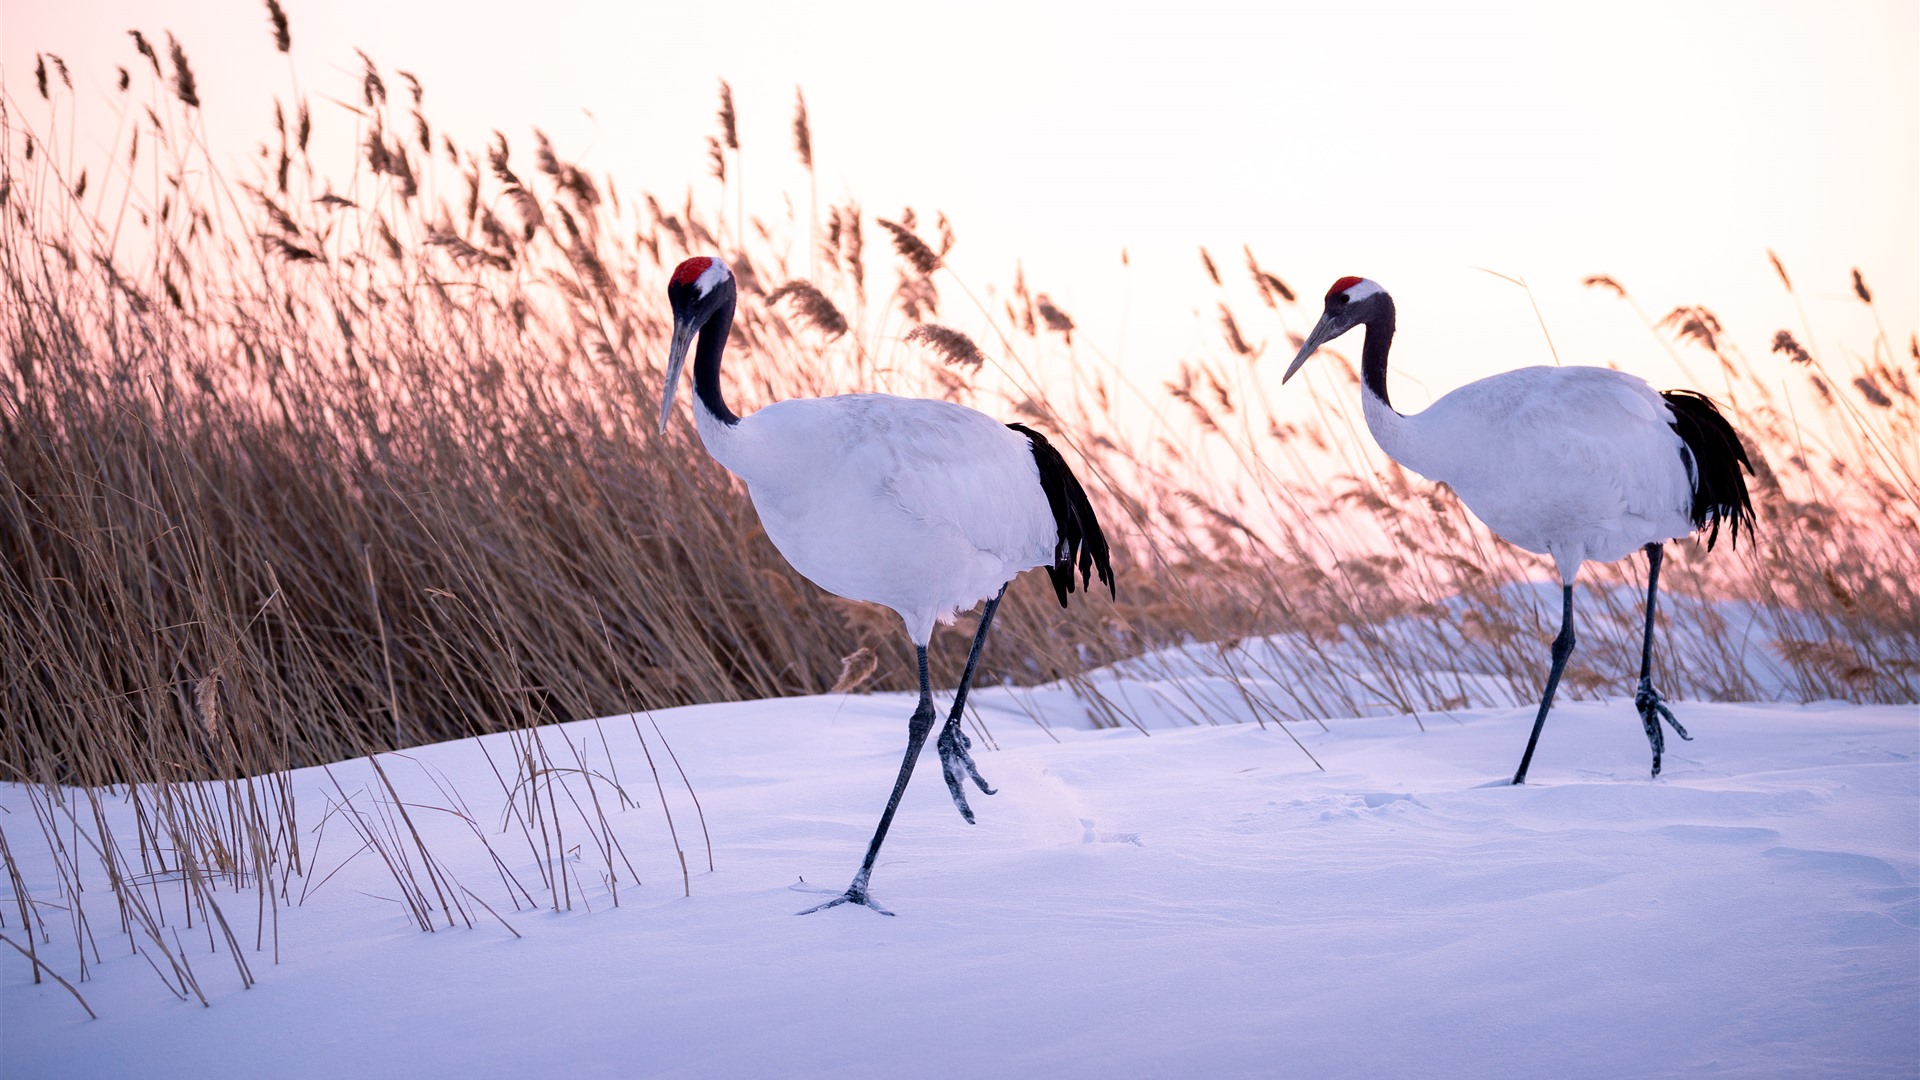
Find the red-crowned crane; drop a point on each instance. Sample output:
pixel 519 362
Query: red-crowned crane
pixel 1577 463
pixel 926 507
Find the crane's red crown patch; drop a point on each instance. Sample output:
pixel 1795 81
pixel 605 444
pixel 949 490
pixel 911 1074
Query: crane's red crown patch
pixel 1340 286
pixel 690 271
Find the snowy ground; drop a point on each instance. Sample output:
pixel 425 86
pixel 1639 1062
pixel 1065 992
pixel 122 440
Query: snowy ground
pixel 1198 901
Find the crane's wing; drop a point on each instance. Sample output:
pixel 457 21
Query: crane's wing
pixel 1572 458
pixel 967 471
pixel 1617 433
pixel 932 469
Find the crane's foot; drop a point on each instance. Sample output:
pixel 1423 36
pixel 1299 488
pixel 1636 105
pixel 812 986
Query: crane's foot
pixel 1653 709
pixel 958 765
pixel 856 894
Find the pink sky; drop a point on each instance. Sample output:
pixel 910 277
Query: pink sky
pixel 1667 144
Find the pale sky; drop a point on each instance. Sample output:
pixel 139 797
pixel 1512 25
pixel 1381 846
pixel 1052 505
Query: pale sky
pixel 1667 144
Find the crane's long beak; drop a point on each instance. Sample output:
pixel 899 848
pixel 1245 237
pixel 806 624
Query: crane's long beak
pixel 1324 331
pixel 676 359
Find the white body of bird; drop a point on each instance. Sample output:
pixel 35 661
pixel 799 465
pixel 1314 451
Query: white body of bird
pixel 1575 463
pixel 846 486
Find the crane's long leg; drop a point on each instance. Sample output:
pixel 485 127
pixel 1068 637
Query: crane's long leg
pixel 918 728
pixel 1653 708
pixel 954 758
pixel 1562 648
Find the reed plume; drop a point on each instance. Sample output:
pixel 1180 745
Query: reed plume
pixel 954 347
pixel 1057 321
pixel 729 122
pixel 1860 287
pixel 813 306
pixel 911 248
pixel 184 86
pixel 277 18
pixel 802 134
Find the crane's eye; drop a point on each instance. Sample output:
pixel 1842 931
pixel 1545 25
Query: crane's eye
pixel 1336 299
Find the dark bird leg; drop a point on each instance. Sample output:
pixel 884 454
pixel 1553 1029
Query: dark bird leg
pixel 1562 648
pixel 918 728
pixel 954 758
pixel 1653 707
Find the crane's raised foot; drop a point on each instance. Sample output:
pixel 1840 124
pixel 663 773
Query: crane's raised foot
pixel 958 766
pixel 1653 709
pixel 856 894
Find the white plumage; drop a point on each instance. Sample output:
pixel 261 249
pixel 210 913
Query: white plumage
pixel 1576 463
pixel 924 506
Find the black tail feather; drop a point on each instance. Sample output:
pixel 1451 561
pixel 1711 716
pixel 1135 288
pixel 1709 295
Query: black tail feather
pixel 1081 542
pixel 1719 490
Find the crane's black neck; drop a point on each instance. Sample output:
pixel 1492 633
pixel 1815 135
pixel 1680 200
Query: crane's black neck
pixel 706 361
pixel 1373 355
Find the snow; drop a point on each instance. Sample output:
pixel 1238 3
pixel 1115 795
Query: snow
pixel 1183 900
